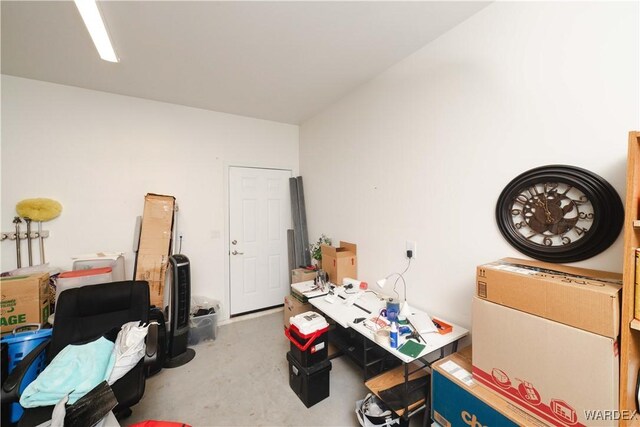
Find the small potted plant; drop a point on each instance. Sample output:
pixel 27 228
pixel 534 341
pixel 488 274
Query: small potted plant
pixel 316 252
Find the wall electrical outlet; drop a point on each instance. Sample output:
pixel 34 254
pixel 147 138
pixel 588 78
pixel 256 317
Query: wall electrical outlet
pixel 413 247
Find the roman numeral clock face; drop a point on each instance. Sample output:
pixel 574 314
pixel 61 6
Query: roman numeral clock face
pixel 559 213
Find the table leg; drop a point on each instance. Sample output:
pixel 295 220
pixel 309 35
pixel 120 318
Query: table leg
pixel 405 396
pixel 364 358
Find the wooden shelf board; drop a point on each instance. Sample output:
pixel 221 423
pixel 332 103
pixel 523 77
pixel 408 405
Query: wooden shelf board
pixel 636 223
pixel 392 378
pixel 635 324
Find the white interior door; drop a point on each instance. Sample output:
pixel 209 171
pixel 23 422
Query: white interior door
pixel 259 216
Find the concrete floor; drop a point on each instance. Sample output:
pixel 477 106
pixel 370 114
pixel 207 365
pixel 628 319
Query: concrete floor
pixel 242 379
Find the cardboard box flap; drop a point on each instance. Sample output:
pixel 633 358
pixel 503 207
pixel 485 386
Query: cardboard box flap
pixel 345 249
pixel 564 272
pixel 340 263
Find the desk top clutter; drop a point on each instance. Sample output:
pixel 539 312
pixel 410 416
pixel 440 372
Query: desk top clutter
pixel 361 311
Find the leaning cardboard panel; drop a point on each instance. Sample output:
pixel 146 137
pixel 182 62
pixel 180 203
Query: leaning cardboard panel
pixel 25 299
pixel 340 262
pixel 558 373
pixel 459 401
pixel 155 243
pixel 579 297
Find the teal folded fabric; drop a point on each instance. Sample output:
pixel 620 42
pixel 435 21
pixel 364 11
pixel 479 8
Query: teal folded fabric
pixel 75 371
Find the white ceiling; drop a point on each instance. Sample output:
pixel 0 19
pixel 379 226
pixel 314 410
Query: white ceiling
pixel 281 61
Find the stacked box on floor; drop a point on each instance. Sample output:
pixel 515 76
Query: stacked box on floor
pixel 308 359
pixel 545 339
pixel 459 401
pixel 311 384
pixel 558 373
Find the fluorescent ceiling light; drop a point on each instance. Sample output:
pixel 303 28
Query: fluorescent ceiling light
pixel 92 19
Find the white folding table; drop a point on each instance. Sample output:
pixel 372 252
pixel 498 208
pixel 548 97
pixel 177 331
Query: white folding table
pixel 348 305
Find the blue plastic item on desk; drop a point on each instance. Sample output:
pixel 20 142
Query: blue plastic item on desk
pixel 19 345
pixel 393 309
pixel 393 336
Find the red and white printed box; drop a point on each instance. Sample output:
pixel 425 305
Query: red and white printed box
pixel 556 372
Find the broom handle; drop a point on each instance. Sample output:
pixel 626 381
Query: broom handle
pixel 41 242
pixel 17 222
pixel 28 221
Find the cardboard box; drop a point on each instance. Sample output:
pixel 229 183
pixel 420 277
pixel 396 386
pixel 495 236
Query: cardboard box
pixel 155 244
pixel 302 275
pixel 556 372
pixel 340 262
pixel 585 299
pixel 25 299
pixel 293 306
pixel 459 401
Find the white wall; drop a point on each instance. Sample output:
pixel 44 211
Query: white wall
pixel 422 151
pixel 98 154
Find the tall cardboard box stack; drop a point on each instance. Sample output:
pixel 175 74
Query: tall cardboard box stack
pixel 545 338
pixel 25 299
pixel 155 243
pixel 340 262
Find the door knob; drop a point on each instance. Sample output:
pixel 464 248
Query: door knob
pixel 237 253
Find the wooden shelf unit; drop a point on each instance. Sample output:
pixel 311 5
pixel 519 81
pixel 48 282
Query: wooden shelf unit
pixel 630 339
pixel 395 377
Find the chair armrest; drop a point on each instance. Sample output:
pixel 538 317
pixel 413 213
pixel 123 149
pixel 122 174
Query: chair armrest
pixel 11 386
pixel 151 344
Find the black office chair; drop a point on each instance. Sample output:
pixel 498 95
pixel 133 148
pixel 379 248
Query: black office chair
pixel 82 315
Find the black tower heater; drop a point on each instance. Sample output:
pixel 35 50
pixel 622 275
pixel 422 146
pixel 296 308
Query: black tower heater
pixel 179 278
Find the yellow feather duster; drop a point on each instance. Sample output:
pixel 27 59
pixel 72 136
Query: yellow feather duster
pixel 39 209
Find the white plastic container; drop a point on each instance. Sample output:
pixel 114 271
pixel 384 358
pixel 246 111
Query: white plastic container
pixel 100 260
pixel 308 322
pixel 79 278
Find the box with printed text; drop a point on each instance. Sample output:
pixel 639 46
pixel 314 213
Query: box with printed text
pixel 558 373
pixel 25 299
pixel 459 401
pixel 578 297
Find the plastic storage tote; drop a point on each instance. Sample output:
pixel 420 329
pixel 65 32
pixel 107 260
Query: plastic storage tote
pixel 203 328
pixel 79 278
pixel 19 345
pixel 101 260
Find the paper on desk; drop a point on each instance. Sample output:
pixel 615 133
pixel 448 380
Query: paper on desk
pixel 309 289
pixel 422 323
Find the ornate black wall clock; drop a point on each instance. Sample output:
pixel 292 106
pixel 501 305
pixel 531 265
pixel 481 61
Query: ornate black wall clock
pixel 559 213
